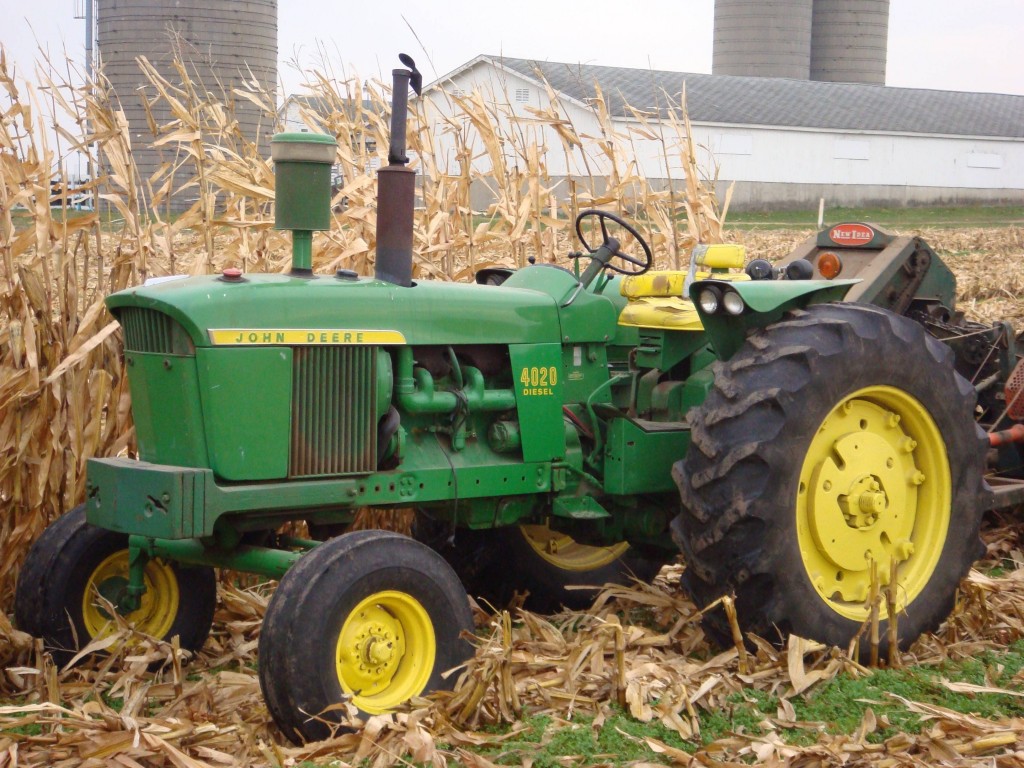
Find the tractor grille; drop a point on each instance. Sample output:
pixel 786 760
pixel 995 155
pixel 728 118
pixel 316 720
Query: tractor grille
pixel 334 424
pixel 146 330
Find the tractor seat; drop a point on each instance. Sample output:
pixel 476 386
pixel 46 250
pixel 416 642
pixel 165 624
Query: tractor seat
pixel 655 299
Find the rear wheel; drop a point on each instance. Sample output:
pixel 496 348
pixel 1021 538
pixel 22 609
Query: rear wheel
pixel 73 564
pixel 553 567
pixel 834 443
pixel 372 617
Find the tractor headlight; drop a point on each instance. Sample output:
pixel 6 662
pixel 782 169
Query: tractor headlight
pixel 709 299
pixel 733 303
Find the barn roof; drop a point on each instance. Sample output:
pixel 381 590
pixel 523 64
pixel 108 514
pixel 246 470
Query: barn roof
pixel 782 102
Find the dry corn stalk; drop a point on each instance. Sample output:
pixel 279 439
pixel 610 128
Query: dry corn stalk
pixel 63 390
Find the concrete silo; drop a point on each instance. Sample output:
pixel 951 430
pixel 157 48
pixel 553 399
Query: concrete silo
pixel 832 40
pixel 223 43
pixel 849 41
pixel 766 38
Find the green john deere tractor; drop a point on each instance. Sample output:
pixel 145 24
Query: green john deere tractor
pixel 819 420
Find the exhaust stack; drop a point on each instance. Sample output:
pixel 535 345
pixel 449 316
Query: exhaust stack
pixel 396 186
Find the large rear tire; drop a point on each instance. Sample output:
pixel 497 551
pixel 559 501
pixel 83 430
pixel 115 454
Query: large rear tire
pixel 370 616
pixel 552 567
pixel 73 561
pixel 838 436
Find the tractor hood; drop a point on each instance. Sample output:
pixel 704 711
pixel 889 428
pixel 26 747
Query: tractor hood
pixel 281 309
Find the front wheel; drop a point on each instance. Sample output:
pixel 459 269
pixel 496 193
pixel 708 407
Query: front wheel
pixel 834 446
pixel 73 564
pixel 372 617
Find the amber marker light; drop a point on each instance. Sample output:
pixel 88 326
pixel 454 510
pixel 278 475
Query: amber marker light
pixel 829 265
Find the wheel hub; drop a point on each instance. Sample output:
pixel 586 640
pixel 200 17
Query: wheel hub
pixel 385 651
pixel 864 503
pixel 158 606
pixel 867 491
pixel 860 503
pixel 373 646
pixel 378 651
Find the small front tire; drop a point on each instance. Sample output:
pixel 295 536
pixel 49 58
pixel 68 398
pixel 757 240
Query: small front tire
pixel 73 562
pixel 371 616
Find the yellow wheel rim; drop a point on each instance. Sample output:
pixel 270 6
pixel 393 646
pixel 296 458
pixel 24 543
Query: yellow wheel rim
pixel 874 487
pixel 566 553
pixel 385 652
pixel 158 606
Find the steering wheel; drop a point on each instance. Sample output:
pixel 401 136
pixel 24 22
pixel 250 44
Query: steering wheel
pixel 610 245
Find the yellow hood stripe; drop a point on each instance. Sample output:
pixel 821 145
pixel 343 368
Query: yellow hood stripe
pixel 301 336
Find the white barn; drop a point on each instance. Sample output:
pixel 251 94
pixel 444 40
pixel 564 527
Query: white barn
pixel 783 142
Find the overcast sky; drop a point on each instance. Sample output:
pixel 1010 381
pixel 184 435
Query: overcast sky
pixel 942 44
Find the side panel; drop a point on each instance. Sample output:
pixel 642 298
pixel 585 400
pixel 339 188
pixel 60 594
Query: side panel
pixel 537 377
pixel 166 409
pixel 639 461
pixel 247 395
pixel 589 318
pixel 585 368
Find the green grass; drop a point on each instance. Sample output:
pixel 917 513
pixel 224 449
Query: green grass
pixel 548 742
pixel 30 729
pixel 743 713
pixel 894 217
pixel 841 703
pixel 109 216
pixel 835 707
pixel 905 218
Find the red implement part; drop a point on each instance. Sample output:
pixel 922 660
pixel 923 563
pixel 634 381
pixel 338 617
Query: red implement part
pixel 1013 391
pixel 1014 434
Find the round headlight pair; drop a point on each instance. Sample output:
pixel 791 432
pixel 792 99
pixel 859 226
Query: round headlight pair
pixel 710 299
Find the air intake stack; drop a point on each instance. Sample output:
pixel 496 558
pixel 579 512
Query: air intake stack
pixel 302 167
pixel 396 186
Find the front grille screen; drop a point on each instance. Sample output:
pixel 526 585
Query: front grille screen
pixel 334 424
pixel 146 330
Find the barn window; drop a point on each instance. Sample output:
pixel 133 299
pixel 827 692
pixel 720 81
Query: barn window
pixel 984 160
pixel 734 144
pixel 846 149
pixel 522 95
